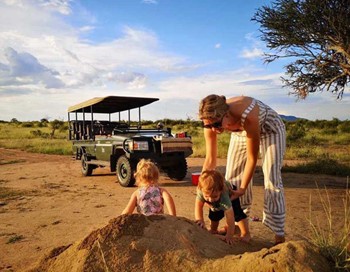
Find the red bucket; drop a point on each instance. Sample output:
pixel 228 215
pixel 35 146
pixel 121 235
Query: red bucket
pixel 195 178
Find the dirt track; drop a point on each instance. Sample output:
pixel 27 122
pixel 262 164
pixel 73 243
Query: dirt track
pixel 49 204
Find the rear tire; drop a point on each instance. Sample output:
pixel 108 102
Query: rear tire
pixel 86 169
pixel 178 171
pixel 125 172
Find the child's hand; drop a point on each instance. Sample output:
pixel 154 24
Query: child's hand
pixel 200 223
pixel 229 239
pixel 226 239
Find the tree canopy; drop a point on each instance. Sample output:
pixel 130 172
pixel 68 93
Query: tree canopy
pixel 316 35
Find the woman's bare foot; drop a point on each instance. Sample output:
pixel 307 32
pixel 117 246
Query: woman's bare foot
pixel 279 239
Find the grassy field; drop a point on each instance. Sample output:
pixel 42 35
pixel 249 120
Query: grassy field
pixel 321 146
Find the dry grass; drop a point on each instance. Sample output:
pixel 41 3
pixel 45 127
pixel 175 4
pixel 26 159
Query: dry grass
pixel 333 244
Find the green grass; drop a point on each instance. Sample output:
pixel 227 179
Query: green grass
pixel 322 165
pixel 3 162
pixel 334 244
pixel 14 239
pixel 18 137
pixel 325 150
pixel 8 193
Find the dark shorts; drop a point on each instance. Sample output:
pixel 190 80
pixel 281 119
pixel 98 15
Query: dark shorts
pixel 236 205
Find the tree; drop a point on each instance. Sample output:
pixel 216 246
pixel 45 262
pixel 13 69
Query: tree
pixel 316 34
pixel 55 124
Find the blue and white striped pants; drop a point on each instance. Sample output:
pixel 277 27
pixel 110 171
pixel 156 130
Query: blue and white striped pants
pixel 272 148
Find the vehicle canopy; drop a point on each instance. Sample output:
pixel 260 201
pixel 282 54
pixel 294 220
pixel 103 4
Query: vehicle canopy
pixel 111 104
pixel 82 128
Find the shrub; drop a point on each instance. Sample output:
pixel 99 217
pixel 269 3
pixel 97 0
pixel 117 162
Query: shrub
pixel 27 124
pixel 296 132
pixel 39 134
pixel 344 127
pixel 322 165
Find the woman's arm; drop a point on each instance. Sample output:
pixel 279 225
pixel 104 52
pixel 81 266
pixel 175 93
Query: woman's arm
pixel 210 137
pixel 252 128
pixel 169 202
pixel 129 209
pixel 198 213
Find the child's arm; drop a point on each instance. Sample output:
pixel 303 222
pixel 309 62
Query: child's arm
pixel 129 209
pixel 230 221
pixel 198 213
pixel 169 202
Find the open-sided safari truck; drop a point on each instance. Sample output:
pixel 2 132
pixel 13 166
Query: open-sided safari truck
pixel 100 142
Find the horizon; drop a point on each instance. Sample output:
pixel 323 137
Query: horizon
pixel 58 53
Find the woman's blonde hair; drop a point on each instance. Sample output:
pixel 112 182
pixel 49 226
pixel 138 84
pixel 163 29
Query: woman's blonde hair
pixel 147 173
pixel 211 181
pixel 213 107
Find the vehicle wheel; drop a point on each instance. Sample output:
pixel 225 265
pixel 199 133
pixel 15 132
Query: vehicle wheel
pixel 125 172
pixel 86 168
pixel 178 171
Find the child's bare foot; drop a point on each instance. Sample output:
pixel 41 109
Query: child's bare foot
pixel 279 239
pixel 223 231
pixel 245 238
pixel 213 231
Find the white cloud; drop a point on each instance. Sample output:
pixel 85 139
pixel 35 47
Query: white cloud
pixel 23 69
pixel 46 66
pixel 60 6
pixel 252 53
pixel 256 50
pixel 150 1
pixel 55 46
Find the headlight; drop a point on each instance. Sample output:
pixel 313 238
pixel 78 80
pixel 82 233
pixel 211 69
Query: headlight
pixel 138 145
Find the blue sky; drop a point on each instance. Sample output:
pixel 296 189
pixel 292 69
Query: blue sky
pixel 57 53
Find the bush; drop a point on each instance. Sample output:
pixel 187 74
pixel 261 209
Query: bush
pixel 27 124
pixel 39 134
pixel 322 165
pixel 296 132
pixel 344 127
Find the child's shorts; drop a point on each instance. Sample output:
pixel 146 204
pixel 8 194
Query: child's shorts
pixel 236 205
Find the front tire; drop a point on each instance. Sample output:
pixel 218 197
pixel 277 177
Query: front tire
pixel 86 168
pixel 178 171
pixel 125 172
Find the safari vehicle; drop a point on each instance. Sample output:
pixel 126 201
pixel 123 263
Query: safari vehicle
pixel 100 142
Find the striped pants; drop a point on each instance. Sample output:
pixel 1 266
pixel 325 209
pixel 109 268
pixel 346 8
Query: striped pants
pixel 272 148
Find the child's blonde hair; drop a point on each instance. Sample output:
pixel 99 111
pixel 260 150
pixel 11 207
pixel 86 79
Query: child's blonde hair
pixel 211 181
pixel 147 173
pixel 213 107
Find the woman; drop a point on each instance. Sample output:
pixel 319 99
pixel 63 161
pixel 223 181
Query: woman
pixel 254 126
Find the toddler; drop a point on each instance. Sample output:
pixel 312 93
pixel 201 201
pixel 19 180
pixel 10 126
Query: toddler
pixel 214 191
pixel 149 198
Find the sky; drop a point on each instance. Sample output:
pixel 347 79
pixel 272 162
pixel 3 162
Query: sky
pixel 58 53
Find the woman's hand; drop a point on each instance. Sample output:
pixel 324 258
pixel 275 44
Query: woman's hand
pixel 236 193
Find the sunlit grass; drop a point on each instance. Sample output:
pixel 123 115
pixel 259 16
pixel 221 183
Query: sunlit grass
pixel 17 137
pixel 308 147
pixel 333 243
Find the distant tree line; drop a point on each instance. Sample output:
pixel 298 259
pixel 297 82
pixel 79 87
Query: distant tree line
pixel 335 123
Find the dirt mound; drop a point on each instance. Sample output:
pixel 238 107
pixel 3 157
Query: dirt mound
pixel 159 243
